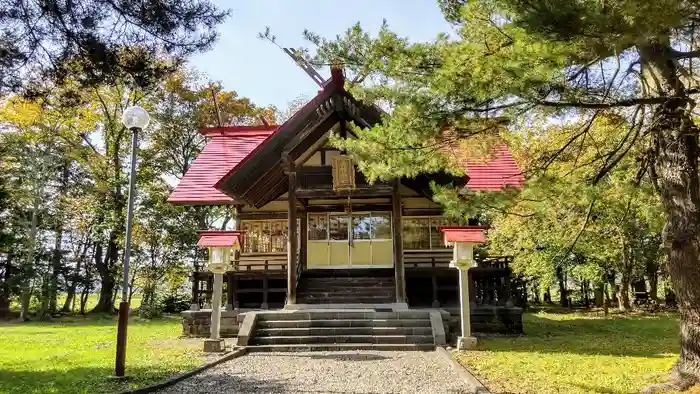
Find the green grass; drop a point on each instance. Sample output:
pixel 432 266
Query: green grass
pixel 76 355
pixel 578 353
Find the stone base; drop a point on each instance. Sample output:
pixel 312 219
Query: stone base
pixel 466 343
pixel 214 345
pixel 198 323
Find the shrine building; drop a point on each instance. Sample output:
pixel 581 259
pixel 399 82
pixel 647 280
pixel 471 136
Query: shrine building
pixel 318 235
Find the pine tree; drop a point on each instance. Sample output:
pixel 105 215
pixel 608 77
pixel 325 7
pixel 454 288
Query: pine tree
pixel 543 61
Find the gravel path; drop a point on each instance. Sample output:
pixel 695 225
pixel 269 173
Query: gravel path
pixel 366 372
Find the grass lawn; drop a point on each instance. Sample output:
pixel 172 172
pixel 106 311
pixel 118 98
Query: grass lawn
pixel 76 355
pixel 578 353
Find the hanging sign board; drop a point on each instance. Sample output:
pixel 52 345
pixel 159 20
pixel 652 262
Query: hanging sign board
pixel 343 173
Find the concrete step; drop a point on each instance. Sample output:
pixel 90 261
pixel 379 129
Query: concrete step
pixel 343 315
pixel 344 323
pixel 340 331
pixel 333 339
pixel 344 299
pixel 341 347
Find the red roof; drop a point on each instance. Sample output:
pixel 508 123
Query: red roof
pixel 496 173
pixel 474 234
pixel 218 238
pixel 226 148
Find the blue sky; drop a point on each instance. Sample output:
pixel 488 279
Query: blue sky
pixel 259 70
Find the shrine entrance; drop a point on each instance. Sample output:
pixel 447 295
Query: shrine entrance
pixel 350 240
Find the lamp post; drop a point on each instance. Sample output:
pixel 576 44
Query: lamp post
pixel 135 119
pixel 463 240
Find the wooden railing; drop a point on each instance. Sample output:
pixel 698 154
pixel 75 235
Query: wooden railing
pixel 427 259
pixel 261 262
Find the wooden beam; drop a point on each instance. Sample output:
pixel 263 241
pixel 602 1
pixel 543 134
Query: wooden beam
pixel 369 191
pixel 423 212
pixel 397 231
pixel 292 239
pixel 355 207
pixel 262 215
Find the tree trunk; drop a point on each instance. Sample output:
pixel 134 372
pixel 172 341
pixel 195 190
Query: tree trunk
pixel 599 294
pixel 69 304
pixel 107 280
pixel 536 293
pixel 675 168
pixel 563 299
pixel 652 271
pixel 624 295
pixel 28 269
pixel 5 287
pixel 547 296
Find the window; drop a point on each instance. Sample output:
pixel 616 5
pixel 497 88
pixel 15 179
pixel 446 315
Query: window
pixel 381 226
pixel 318 227
pixel 422 232
pixel 266 236
pixel 363 226
pixel 338 227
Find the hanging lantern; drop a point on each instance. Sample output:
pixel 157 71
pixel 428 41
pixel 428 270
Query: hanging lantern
pixel 343 173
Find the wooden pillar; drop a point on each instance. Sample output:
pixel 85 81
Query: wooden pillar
pixel 397 231
pixel 230 296
pixel 436 303
pixel 292 239
pixel 232 287
pixel 266 292
pixel 303 239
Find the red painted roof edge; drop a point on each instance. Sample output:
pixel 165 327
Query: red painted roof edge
pixel 242 131
pixel 219 238
pixel 187 201
pixel 453 233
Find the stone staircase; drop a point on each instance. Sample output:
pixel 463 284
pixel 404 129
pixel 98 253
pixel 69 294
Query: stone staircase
pixel 355 287
pixel 343 330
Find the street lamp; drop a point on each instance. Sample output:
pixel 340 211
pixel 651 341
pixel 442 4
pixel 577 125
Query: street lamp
pixel 135 119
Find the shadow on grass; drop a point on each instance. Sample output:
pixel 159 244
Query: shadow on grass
pixel 97 380
pixel 640 336
pixel 79 380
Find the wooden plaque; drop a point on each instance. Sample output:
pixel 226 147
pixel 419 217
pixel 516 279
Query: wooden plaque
pixel 343 173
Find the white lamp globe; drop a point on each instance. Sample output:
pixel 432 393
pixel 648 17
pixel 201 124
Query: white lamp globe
pixel 135 116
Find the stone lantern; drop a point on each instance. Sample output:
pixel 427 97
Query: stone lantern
pixel 463 239
pixel 221 244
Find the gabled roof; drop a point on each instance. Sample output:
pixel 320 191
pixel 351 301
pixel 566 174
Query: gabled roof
pixel 226 147
pixel 260 177
pixel 248 162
